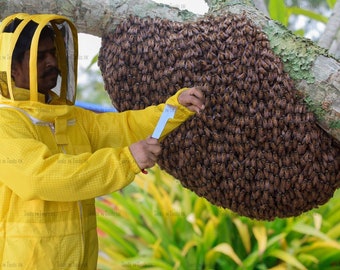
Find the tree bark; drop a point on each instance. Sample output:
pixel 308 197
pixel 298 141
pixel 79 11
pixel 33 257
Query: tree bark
pixel 96 17
pixel 261 5
pixel 330 39
pixel 315 72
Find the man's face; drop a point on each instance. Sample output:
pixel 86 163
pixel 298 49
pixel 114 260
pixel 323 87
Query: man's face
pixel 47 67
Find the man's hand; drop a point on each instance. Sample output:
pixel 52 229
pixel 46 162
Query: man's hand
pixel 193 99
pixel 145 152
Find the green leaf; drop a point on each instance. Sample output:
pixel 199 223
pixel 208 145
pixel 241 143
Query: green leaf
pixel 250 262
pixel 321 245
pixel 261 237
pixel 209 235
pixel 145 234
pixel 177 256
pixel 287 258
pixel 300 32
pixel 277 238
pixel 243 231
pixel 309 230
pixel 278 11
pixel 310 14
pixel 334 232
pixel 159 250
pixel 117 236
pixel 308 259
pixel 227 250
pixel 93 61
pixel 331 3
pixel 146 263
pixel 189 245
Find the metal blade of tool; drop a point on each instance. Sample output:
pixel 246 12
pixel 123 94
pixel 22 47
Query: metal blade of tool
pixel 168 112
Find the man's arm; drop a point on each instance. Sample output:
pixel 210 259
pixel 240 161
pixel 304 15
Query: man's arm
pixel 125 128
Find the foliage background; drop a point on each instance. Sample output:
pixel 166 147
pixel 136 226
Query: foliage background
pixel 155 223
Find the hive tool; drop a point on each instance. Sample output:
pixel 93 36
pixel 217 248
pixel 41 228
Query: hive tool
pixel 168 113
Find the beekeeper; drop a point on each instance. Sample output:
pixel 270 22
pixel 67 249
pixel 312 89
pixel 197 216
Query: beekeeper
pixel 55 158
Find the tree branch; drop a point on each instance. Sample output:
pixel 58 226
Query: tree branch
pixel 328 38
pixel 261 5
pixel 97 17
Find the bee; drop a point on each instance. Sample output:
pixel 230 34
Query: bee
pixel 230 184
pixel 270 184
pixel 301 149
pixel 307 139
pixel 224 185
pixel 284 199
pixel 289 118
pixel 309 186
pixel 257 195
pixel 265 53
pixel 276 179
pixel 287 83
pixel 241 196
pixel 162 84
pixel 309 116
pixel 224 157
pixel 270 123
pixel 298 193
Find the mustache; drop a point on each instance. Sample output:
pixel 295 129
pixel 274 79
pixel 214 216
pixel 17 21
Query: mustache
pixel 50 71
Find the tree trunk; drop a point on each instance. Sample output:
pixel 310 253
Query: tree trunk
pixel 315 72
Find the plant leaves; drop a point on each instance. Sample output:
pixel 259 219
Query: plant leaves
pixel 227 250
pixel 243 231
pixel 288 258
pixel 261 237
pixel 278 11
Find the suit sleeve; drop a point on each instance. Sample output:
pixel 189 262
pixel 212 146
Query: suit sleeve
pixel 125 128
pixel 32 171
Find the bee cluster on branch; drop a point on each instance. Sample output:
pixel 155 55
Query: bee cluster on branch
pixel 255 149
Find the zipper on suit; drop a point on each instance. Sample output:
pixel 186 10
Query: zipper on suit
pixel 81 215
pixel 52 127
pixel 80 206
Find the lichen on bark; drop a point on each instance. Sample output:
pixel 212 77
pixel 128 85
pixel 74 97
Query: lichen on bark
pixel 297 54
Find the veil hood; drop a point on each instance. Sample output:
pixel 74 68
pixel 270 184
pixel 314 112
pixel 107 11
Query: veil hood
pixel 16 26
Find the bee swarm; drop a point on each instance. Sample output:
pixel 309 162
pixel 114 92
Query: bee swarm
pixel 255 149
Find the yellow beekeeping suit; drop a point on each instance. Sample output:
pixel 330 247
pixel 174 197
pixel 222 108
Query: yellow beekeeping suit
pixel 56 158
